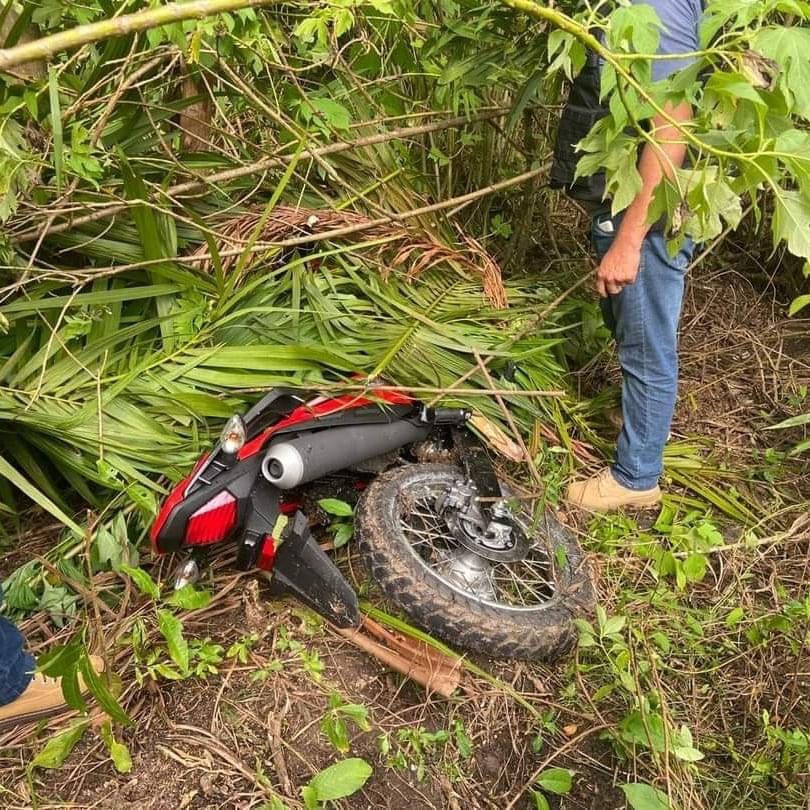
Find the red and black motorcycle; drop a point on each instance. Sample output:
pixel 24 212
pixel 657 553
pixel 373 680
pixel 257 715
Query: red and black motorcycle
pixel 436 527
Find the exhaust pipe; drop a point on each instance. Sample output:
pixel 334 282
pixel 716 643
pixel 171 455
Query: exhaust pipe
pixel 298 461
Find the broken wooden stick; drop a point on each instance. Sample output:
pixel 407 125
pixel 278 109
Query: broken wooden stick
pixel 435 670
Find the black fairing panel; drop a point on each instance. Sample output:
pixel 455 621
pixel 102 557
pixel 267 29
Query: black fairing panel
pixel 239 481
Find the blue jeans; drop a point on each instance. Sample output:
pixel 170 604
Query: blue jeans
pixel 644 318
pixel 16 665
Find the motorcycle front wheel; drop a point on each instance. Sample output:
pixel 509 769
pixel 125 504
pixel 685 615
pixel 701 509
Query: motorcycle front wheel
pixel 523 608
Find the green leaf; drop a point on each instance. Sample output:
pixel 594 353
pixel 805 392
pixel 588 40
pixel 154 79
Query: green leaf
pixel 789 46
pixel 694 567
pixel 463 742
pixel 335 114
pixel 735 86
pixel 342 779
pixel 108 548
pixel 58 747
pixel 615 624
pixel 555 780
pixel 791 222
pixel 634 28
pixel 688 753
pixel 13 476
pixel 798 303
pixel 310 798
pixel 172 629
pixel 60 660
pixel 333 506
pixel 98 688
pixel 337 732
pixel 645 797
pixel 56 126
pixel 145 584
pixel 540 801
pixel 119 753
pixel 793 421
pixel 189 598
pixel 343 534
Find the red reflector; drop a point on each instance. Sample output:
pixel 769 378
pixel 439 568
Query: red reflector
pixel 267 556
pixel 213 521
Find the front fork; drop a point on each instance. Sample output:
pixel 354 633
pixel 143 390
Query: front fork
pixel 297 563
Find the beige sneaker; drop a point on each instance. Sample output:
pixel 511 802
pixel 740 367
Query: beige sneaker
pixel 42 698
pixel 603 493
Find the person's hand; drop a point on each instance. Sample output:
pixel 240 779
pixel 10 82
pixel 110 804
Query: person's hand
pixel 618 268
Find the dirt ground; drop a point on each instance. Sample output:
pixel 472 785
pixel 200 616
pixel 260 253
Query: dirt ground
pixel 234 739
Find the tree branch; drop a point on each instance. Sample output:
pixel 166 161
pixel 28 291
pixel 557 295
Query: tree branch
pixel 47 47
pixel 195 186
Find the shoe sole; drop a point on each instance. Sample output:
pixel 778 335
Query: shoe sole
pixel 637 504
pixel 30 717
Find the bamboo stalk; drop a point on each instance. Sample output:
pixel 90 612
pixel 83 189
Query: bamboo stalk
pixel 49 46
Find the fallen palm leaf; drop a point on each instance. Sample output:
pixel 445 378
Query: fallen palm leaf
pixel 417 252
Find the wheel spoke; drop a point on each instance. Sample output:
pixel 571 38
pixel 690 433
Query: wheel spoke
pixel 525 583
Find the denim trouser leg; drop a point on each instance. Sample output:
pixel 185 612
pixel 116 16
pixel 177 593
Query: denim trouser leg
pixel 16 665
pixel 643 318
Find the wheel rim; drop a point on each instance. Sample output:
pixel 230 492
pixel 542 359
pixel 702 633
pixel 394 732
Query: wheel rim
pixel 524 585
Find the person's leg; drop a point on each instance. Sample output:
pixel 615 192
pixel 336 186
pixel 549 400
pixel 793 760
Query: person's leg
pixel 646 315
pixel 16 665
pixel 644 320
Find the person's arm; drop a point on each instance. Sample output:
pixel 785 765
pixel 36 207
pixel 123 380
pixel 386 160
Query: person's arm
pixel 619 266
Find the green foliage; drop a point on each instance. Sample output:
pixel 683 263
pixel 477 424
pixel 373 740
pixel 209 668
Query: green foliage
pixel 338 781
pixel 557 781
pixel 172 630
pixel 240 650
pixel 645 797
pixel 189 598
pixel 749 89
pixel 341 529
pixel 119 753
pixel 414 748
pixel 335 723
pixel 59 746
pixel 143 581
pixel 15 167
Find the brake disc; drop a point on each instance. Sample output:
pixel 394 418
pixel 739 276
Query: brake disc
pixel 500 540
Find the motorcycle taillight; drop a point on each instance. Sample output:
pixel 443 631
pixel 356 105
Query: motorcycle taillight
pixel 213 521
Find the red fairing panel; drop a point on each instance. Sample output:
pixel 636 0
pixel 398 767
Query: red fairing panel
pixel 175 497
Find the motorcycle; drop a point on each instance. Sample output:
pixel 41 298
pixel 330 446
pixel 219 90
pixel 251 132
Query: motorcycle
pixel 439 532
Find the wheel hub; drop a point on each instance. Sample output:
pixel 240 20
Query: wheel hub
pixel 498 539
pixel 469 571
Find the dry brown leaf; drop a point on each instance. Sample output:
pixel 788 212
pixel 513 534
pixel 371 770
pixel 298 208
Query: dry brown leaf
pixel 496 438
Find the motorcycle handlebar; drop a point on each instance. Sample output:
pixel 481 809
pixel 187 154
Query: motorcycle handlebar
pixel 450 416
